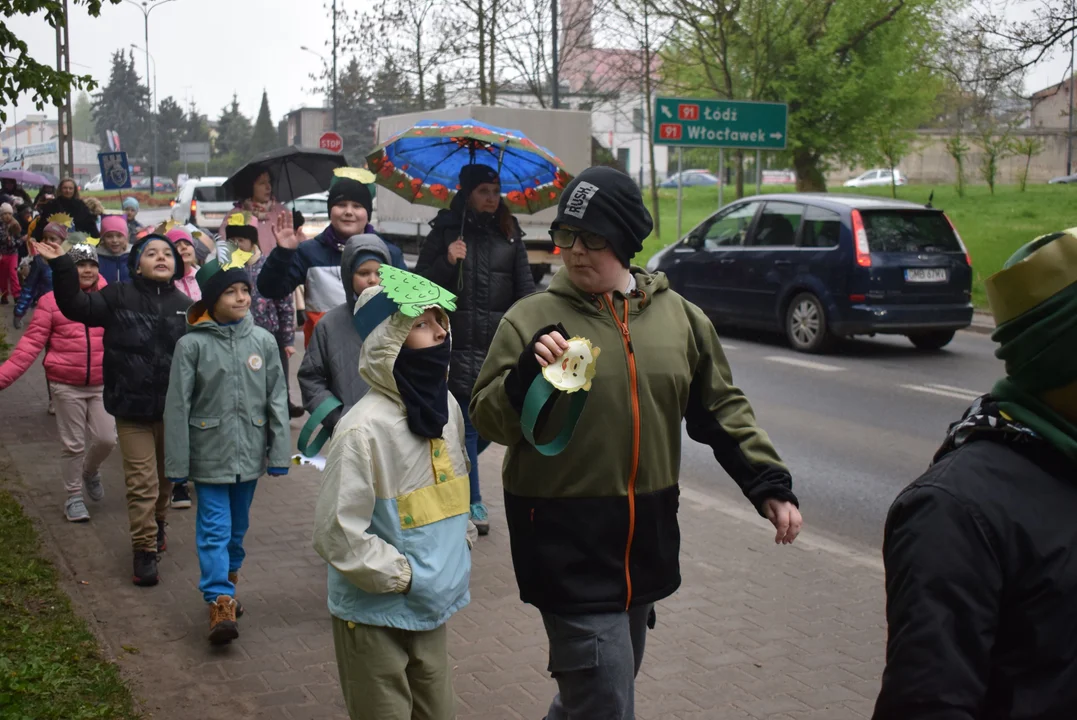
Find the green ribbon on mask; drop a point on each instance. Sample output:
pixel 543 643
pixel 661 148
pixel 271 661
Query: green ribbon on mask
pixel 306 447
pixel 538 395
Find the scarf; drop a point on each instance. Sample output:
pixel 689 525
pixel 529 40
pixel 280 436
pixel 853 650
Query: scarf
pixel 422 376
pixel 333 241
pixel 1035 414
pixel 257 209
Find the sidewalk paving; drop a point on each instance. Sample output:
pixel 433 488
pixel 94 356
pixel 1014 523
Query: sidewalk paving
pixel 756 631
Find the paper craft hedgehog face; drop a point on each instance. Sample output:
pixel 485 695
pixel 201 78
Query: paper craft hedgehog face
pixel 575 369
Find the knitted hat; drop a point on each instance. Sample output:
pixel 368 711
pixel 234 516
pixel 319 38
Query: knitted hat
pixel 1034 301
pixel 114 223
pixel 83 252
pixel 471 176
pixel 221 272
pixel 130 203
pixel 608 203
pixel 241 225
pixel 54 228
pixel 6 208
pixel 178 235
pixel 351 184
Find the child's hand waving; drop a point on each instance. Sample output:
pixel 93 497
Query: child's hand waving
pixel 284 233
pixel 47 250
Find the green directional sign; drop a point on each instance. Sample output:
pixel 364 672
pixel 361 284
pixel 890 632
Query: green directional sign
pixel 692 122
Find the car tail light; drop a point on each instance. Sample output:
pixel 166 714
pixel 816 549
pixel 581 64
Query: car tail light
pixel 194 207
pixel 860 238
pixel 968 258
pixel 556 250
pixel 172 204
pixel 858 298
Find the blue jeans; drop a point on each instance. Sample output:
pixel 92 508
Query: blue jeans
pixel 474 446
pixel 222 519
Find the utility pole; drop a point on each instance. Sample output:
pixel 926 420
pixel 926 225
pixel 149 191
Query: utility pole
pixel 556 100
pixel 1069 134
pixel 146 9
pixel 334 65
pixel 65 147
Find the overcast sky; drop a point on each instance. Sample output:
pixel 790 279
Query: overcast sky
pixel 206 50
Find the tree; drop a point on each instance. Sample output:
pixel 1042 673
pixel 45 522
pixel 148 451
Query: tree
pixel 82 119
pixel 20 73
pixel 357 110
pixel 1052 25
pixel 996 144
pixel 437 96
pixel 841 67
pixel 196 126
pixel 171 126
pixel 264 137
pixel 123 105
pixel 233 131
pixel 958 149
pixel 1028 147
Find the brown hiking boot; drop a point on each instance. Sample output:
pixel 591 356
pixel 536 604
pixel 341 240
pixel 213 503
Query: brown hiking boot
pixel 222 620
pixel 233 577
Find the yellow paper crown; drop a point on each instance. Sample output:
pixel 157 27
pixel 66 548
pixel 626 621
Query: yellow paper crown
pixel 93 241
pixel 60 219
pixel 238 260
pixel 238 219
pixel 358 174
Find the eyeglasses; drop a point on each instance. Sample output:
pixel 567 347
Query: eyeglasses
pixel 565 239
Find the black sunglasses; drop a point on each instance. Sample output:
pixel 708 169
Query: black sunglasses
pixel 565 239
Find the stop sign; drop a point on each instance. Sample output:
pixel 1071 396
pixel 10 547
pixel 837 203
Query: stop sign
pixel 331 141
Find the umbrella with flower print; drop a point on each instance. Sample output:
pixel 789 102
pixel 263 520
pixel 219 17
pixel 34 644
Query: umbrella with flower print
pixel 422 164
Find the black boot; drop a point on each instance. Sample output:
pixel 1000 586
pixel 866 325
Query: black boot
pixel 145 568
pixel 162 538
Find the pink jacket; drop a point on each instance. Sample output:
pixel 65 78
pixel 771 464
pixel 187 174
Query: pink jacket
pixel 266 241
pixel 74 354
pixel 188 286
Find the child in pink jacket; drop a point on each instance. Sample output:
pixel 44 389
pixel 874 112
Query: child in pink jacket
pixel 74 356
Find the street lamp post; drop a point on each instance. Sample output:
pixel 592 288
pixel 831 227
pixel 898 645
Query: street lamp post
pixel 153 172
pixel 146 8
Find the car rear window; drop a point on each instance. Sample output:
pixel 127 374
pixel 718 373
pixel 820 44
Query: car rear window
pixel 909 231
pixel 209 193
pixel 309 206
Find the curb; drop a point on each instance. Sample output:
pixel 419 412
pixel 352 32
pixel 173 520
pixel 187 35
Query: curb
pixel 982 323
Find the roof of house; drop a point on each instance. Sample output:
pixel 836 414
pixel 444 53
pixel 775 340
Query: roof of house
pixel 1053 89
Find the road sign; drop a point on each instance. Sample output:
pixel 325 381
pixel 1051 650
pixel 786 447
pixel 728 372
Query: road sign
pixel 114 170
pixel 332 142
pixel 720 123
pixel 194 152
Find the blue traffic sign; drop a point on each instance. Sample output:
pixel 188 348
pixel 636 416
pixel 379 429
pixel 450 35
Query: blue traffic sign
pixel 115 172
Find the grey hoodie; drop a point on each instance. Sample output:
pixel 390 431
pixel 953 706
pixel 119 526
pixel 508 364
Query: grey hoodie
pixel 331 365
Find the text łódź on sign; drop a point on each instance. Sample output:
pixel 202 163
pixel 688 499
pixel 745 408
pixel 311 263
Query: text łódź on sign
pixel 720 123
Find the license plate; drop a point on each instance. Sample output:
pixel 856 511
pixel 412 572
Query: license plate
pixel 214 216
pixel 925 275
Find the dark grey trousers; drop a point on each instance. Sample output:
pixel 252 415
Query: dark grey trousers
pixel 594 659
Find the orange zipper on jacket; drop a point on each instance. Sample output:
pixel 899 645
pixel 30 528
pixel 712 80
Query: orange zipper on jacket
pixel 630 354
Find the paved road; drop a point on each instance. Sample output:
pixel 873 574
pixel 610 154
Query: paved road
pixel 856 426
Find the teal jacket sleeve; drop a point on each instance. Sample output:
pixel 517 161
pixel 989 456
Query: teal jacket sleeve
pixel 279 440
pixel 177 416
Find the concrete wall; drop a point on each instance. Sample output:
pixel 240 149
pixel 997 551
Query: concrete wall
pixel 1050 111
pixel 930 163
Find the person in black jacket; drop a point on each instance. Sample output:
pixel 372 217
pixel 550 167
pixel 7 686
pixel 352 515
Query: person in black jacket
pixel 981 550
pixel 143 320
pixel 476 250
pixel 67 201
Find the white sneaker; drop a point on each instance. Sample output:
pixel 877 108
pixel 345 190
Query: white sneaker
pixel 75 510
pixel 52 408
pixel 94 488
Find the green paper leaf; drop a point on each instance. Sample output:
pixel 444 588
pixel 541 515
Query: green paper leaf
pixel 414 293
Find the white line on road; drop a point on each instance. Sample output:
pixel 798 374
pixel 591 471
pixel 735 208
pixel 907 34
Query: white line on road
pixel 961 395
pixel 962 391
pixel 727 346
pixel 797 362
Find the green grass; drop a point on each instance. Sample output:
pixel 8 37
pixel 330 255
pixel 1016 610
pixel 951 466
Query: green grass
pixel 992 226
pixel 50 664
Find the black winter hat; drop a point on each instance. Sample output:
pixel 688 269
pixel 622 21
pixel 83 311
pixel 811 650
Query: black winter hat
pixel 345 188
pixel 214 286
pixel 606 202
pixel 471 176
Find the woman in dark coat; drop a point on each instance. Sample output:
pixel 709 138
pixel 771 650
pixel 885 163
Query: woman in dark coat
pixel 476 250
pixel 67 201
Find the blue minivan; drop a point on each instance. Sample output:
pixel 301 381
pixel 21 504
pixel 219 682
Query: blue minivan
pixel 819 267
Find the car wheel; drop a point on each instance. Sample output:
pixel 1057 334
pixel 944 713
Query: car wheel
pixel 932 340
pixel 806 326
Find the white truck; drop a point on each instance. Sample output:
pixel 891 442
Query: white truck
pixel 566 133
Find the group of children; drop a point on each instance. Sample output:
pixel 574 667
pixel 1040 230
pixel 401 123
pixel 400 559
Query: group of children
pixel 199 394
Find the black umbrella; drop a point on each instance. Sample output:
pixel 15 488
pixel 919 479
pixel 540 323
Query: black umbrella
pixel 296 172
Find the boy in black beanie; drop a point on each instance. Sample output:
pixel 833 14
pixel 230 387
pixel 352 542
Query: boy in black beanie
pixel 592 515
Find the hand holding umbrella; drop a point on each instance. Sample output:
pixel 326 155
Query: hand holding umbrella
pixel 457 251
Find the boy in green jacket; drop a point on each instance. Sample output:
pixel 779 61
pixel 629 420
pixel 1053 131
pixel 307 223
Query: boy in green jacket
pixel 226 421
pixel 592 515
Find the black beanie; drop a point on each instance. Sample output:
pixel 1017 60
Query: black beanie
pixel 235 232
pixel 344 188
pixel 471 176
pixel 608 203
pixel 218 282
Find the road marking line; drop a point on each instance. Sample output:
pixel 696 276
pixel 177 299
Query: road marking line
pixel 964 391
pixel 943 393
pixel 797 362
pixel 727 346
